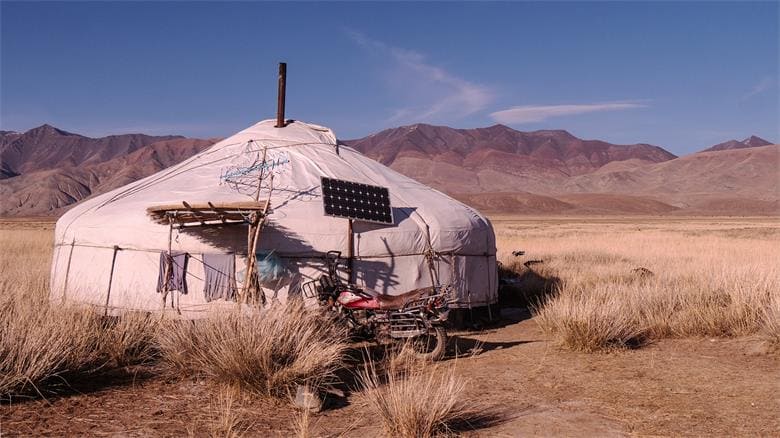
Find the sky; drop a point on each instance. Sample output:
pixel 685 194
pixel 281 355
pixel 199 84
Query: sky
pixel 683 76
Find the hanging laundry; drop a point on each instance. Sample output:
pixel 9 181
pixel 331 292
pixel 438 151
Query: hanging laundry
pixel 177 275
pixel 270 267
pixel 220 272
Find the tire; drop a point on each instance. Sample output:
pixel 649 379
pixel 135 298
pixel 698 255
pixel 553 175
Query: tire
pixel 433 346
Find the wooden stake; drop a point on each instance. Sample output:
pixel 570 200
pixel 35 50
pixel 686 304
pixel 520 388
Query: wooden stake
pixel 168 265
pixel 111 278
pixel 67 271
pixel 350 251
pixel 281 95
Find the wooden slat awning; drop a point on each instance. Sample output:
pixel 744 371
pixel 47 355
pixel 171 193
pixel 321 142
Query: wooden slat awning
pixel 205 213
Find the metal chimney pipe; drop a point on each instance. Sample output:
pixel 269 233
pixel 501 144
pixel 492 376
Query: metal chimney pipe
pixel 281 95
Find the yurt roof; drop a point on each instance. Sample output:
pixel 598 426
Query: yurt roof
pixel 304 153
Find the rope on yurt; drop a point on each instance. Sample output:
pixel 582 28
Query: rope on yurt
pixel 111 278
pixel 312 255
pixel 176 170
pixel 67 271
pixel 430 255
pixel 140 184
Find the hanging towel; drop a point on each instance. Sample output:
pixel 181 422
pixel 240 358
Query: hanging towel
pixel 177 280
pixel 220 277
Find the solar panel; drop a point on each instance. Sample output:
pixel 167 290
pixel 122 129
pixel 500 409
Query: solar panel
pixel 357 201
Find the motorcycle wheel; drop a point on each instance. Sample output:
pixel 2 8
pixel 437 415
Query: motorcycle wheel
pixel 431 346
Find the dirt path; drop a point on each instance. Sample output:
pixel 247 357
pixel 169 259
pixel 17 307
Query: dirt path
pixel 675 387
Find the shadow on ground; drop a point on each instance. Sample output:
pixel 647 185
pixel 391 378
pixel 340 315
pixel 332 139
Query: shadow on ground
pixel 525 284
pixel 71 384
pixel 463 346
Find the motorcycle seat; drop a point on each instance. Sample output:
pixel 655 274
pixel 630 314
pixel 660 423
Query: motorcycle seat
pixel 395 302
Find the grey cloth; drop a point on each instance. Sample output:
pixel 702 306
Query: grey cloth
pixel 177 280
pixel 220 276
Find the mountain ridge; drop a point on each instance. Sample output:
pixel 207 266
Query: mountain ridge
pixel 497 169
pixel 750 142
pixel 496 143
pixel 47 147
pixel 46 170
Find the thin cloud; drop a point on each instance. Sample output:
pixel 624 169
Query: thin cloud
pixel 436 93
pixel 765 84
pixel 539 113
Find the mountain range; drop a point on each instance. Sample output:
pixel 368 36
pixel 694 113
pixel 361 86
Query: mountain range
pixel 45 170
pixel 496 169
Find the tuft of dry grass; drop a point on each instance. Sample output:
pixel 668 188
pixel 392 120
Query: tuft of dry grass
pixel 268 352
pixel 301 424
pixel 130 339
pixel 227 421
pixel 771 317
pixel 589 320
pixel 619 285
pixel 39 344
pixel 421 399
pixel 43 345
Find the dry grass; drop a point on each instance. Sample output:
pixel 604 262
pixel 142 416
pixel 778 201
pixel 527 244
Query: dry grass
pixel 301 423
pixel 38 342
pixel 45 345
pixel 414 398
pixel 707 279
pixel 269 352
pixel 42 345
pixel 228 421
pixel 772 323
pixel 130 339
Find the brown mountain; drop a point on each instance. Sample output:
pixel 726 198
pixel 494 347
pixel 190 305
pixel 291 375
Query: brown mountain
pixel 498 169
pixel 495 169
pixel 49 169
pixel 750 142
pixel 729 182
pixel 497 158
pixel 736 181
pixel 47 147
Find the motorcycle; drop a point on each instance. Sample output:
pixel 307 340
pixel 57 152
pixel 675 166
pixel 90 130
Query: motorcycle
pixel 417 316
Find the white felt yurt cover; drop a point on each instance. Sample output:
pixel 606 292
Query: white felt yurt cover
pixel 107 249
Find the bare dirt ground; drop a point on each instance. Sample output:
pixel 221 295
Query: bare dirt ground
pixel 722 387
pixel 671 387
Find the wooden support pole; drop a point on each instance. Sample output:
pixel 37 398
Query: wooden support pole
pixel 168 264
pixel 67 271
pixel 350 251
pixel 253 235
pixel 281 95
pixel 111 278
pixel 250 260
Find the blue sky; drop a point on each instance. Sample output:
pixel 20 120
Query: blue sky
pixel 680 75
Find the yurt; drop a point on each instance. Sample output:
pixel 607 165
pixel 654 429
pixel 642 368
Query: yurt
pixel 118 251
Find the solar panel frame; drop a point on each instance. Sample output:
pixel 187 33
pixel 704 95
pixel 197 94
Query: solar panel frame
pixel 356 201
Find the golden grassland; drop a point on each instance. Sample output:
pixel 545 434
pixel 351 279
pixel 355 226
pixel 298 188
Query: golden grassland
pixel 607 283
pixel 624 282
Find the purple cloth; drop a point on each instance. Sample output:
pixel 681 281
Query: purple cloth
pixel 220 272
pixel 177 279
